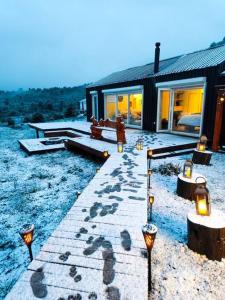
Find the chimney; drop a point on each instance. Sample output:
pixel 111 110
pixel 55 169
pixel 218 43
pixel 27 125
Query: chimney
pixel 157 54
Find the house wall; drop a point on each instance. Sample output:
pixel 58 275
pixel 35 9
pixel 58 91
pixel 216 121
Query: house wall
pixel 150 97
pixel 148 100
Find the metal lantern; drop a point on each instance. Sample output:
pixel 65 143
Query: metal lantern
pixel 105 153
pixel 149 153
pixel 120 147
pixel 97 170
pixel 201 146
pixel 202 201
pixel 149 232
pixel 139 145
pixel 141 142
pixel 78 193
pixel 151 200
pixel 188 168
pixel 27 234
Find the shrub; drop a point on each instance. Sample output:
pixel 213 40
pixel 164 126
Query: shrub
pixel 11 122
pixel 168 169
pixel 37 117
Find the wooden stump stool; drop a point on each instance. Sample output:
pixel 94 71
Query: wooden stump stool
pixel 187 186
pixel 206 234
pixel 201 158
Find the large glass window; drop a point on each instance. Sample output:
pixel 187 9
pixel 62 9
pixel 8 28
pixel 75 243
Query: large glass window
pixel 180 109
pixel 135 109
pixel 123 106
pixel 111 107
pixel 187 110
pixel 164 109
pixel 128 105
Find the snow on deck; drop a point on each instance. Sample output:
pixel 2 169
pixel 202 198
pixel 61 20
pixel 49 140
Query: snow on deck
pixel 97 251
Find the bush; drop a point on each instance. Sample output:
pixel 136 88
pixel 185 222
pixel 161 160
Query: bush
pixel 11 122
pixel 26 119
pixel 37 117
pixel 70 111
pixel 168 169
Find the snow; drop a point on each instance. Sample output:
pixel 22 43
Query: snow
pixel 195 178
pixel 34 186
pixel 215 220
pixel 37 189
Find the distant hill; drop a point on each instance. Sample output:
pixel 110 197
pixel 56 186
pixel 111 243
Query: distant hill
pixel 220 43
pixel 50 104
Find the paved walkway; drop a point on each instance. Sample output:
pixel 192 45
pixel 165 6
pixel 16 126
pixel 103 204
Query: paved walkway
pixel 97 251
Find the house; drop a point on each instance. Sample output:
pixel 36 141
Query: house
pixel 180 95
pixel 82 106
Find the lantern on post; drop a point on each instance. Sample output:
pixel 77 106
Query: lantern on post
pixel 202 200
pixel 149 178
pixel 149 232
pixel 27 234
pixel 120 147
pixel 78 193
pixel 188 168
pixel 105 154
pixel 151 200
pixel 149 157
pixel 201 146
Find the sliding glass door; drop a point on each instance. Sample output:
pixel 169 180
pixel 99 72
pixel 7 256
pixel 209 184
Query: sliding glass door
pixel 128 105
pixel 180 110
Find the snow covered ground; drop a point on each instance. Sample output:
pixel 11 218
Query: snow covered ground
pixel 43 187
pixel 179 273
pixel 39 189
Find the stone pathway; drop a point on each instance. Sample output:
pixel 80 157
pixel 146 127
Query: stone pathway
pixel 97 251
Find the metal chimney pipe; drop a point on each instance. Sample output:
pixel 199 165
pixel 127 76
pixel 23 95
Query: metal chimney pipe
pixel 157 54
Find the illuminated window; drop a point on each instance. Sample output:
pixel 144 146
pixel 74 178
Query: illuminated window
pixel 111 107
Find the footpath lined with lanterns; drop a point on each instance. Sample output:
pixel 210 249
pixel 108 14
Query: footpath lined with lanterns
pixel 98 250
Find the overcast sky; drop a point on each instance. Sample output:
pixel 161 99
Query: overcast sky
pixel 46 43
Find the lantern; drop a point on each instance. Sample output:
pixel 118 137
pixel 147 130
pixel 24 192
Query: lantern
pixel 105 153
pixel 187 170
pixel 78 193
pixel 120 147
pixel 139 145
pixel 149 172
pixel 201 146
pixel 97 170
pixel 222 98
pixel 27 234
pixel 149 153
pixel 202 201
pixel 151 199
pixel 149 232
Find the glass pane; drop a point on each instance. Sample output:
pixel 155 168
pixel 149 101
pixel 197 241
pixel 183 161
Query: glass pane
pixel 111 107
pixel 135 109
pixel 164 110
pixel 123 106
pixel 187 110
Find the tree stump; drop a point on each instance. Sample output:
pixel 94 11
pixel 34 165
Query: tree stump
pixel 201 158
pixel 186 186
pixel 206 234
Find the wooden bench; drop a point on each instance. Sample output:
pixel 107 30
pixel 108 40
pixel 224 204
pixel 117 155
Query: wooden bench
pixel 117 126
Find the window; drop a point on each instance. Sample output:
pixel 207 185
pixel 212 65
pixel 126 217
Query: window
pixel 95 105
pixel 180 108
pixel 111 107
pixel 124 102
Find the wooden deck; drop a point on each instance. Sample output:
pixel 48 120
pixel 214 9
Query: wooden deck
pixel 97 251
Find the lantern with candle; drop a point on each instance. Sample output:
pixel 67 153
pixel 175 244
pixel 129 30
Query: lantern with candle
pixel 201 146
pixel 188 168
pixel 202 201
pixel 120 147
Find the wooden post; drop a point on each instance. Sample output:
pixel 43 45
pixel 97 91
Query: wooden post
pixel 218 123
pixel 37 133
pixel 206 234
pixel 186 186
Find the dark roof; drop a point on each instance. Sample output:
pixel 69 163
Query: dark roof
pixel 135 73
pixel 196 60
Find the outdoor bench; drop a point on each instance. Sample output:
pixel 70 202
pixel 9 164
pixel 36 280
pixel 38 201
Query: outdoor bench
pixel 117 126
